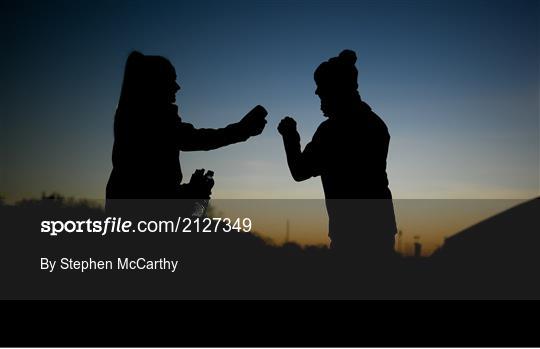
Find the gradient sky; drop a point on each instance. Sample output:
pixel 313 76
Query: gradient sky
pixel 457 83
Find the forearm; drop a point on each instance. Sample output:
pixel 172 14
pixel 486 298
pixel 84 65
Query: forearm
pixel 294 159
pixel 209 139
pixel 251 124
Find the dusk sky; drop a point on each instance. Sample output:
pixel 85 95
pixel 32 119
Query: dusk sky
pixel 457 83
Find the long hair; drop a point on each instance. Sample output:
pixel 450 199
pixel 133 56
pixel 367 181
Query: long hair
pixel 140 91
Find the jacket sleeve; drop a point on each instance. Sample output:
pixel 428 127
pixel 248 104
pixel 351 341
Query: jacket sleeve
pixel 312 158
pixel 190 138
pixel 307 163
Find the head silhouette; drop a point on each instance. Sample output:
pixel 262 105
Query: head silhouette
pixel 149 82
pixel 337 85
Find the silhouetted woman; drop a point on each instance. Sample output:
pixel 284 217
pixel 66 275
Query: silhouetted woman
pixel 149 135
pixel 348 151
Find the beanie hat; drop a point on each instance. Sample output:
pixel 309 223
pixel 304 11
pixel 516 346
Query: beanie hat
pixel 338 72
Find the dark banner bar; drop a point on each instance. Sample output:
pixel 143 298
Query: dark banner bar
pixel 270 249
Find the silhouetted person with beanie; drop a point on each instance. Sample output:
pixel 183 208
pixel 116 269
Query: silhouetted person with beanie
pixel 149 135
pixel 348 151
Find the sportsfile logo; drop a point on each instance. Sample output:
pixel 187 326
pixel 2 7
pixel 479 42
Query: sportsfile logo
pixel 120 225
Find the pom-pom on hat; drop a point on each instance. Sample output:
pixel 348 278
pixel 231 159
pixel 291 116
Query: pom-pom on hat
pixel 338 72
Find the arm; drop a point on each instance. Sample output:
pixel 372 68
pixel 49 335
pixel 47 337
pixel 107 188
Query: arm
pixel 301 164
pixel 192 139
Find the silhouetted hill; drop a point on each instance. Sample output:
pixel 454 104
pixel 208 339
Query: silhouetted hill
pixel 496 258
pixel 512 233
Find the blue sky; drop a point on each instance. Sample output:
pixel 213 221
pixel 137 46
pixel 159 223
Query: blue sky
pixel 457 83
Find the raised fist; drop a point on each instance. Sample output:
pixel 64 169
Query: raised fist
pixel 254 121
pixel 287 126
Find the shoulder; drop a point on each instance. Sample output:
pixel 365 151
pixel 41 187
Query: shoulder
pixel 374 119
pixel 324 130
pixel 325 127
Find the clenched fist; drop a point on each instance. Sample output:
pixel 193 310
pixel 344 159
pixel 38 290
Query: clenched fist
pixel 254 121
pixel 287 128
